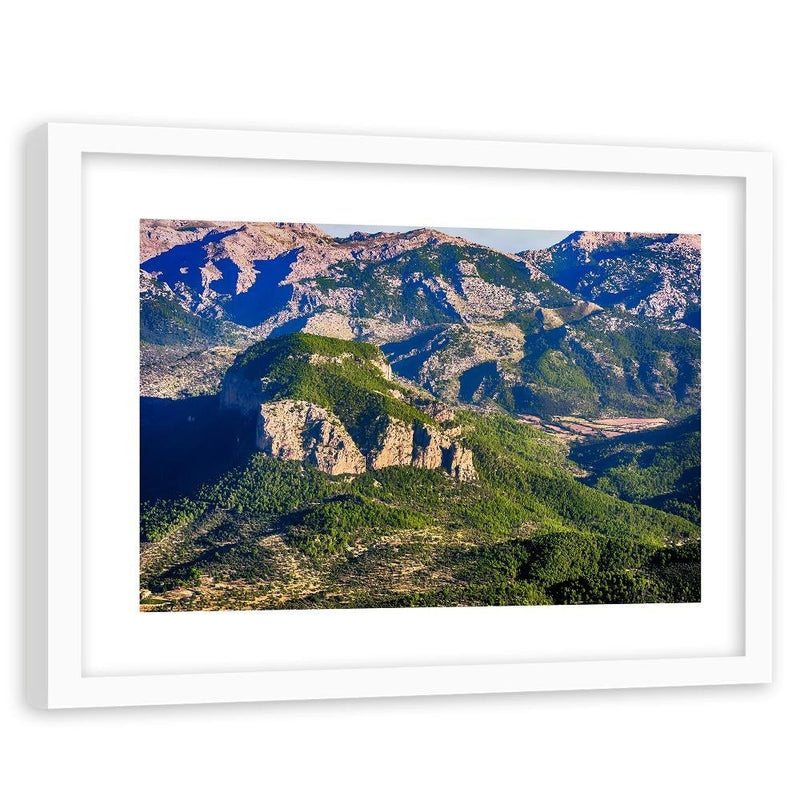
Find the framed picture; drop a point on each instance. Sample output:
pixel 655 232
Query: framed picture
pixel 317 416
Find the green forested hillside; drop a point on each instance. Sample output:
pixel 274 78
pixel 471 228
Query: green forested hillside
pixel 164 321
pixel 600 367
pixel 660 468
pixel 526 532
pixel 606 363
pixel 416 419
pixel 342 376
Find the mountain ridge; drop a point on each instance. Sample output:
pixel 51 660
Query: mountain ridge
pixel 463 320
pixel 651 274
pixel 333 404
pixel 403 420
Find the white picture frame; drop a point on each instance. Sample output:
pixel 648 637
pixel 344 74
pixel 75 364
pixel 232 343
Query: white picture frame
pixel 56 423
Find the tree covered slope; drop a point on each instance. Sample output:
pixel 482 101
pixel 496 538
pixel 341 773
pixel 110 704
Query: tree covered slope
pixel 378 420
pixel 268 533
pixel 660 468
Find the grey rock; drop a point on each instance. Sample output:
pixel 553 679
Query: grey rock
pixel 396 447
pixel 294 430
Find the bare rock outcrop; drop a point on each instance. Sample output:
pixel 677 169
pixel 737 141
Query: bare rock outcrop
pixel 396 448
pixel 294 430
pixel 553 318
pixel 429 444
pixel 457 460
pixel 434 450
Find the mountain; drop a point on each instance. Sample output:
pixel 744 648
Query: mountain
pixel 284 277
pixel 464 321
pixel 278 526
pixel 605 363
pixel 655 275
pixel 412 419
pixel 333 405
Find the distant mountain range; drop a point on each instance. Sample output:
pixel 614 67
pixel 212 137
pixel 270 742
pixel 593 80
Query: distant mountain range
pixel 598 323
pixel 651 274
pixel 413 419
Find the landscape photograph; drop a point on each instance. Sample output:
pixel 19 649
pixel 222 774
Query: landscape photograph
pixel 344 416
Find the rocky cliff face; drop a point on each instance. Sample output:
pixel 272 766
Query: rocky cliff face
pixel 457 460
pixel 334 406
pixel 294 430
pixel 434 450
pixel 553 318
pixel 396 447
pixel 429 447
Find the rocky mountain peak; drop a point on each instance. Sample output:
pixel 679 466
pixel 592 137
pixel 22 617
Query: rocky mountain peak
pixel 334 406
pixel 589 241
pixel 650 274
pixel 303 228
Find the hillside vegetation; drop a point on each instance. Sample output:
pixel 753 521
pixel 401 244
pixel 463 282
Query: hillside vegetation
pixel 413 419
pixel 347 378
pixel 527 532
pixel 660 468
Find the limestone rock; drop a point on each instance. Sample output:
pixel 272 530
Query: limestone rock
pixel 396 448
pixel 458 462
pixel 434 450
pixel 428 446
pixel 384 368
pixel 553 318
pixel 294 430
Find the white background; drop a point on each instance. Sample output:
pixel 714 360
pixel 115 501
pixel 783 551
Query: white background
pixel 697 75
pixel 119 640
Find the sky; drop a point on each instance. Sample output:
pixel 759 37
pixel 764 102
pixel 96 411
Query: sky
pixel 508 241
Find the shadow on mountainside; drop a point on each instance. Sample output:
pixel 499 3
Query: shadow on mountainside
pixel 267 296
pixel 184 443
pixel 183 265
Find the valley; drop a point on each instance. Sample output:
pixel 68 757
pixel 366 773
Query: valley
pixel 414 419
pixel 577 429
